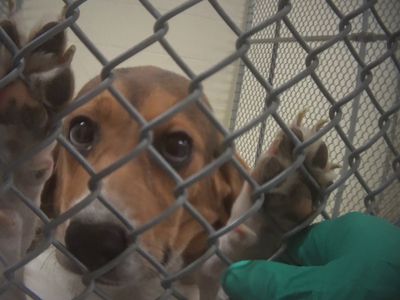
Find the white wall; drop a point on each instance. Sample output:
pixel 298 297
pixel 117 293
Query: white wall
pixel 198 35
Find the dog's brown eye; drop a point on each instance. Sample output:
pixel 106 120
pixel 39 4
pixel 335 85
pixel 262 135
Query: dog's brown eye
pixel 82 133
pixel 177 148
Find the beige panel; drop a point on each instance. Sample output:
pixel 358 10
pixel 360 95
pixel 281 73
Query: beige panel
pixel 199 35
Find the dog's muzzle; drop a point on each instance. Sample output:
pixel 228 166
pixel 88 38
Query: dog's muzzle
pixel 95 244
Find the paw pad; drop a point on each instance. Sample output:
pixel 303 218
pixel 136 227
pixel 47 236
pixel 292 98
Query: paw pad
pixel 280 157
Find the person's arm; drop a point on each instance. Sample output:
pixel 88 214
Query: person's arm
pixel 355 257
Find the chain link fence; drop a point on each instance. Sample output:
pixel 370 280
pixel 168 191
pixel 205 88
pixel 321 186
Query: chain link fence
pixel 339 59
pixel 280 55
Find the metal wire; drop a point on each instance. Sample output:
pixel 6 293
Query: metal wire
pixel 353 90
pixel 289 59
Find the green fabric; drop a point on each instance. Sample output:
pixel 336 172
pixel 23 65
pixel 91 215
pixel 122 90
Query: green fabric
pixel 355 257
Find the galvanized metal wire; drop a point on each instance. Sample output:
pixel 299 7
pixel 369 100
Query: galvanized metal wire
pixel 289 58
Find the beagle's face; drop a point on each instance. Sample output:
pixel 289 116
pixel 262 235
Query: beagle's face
pixel 141 189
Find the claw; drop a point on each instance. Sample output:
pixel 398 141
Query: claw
pixel 244 230
pixel 68 55
pixel 335 166
pixel 246 234
pixel 300 116
pixel 320 124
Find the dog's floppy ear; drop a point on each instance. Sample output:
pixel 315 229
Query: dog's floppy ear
pixel 48 196
pixel 228 183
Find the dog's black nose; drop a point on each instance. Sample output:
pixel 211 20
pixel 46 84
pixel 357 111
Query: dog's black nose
pixel 95 244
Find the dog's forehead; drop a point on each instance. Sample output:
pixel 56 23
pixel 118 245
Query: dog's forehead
pixel 141 82
pixel 138 83
pixel 151 90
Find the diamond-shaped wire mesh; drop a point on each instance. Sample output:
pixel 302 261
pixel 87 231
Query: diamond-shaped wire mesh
pixel 341 63
pixel 278 56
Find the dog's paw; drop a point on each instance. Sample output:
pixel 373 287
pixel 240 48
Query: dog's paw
pixel 28 103
pixel 294 198
pixel 280 156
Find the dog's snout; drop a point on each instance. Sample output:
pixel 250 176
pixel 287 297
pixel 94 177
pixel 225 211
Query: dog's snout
pixel 95 244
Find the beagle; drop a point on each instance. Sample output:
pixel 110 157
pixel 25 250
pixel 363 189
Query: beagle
pixel 26 110
pixel 103 133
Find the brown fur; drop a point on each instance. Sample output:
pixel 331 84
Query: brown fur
pixel 141 189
